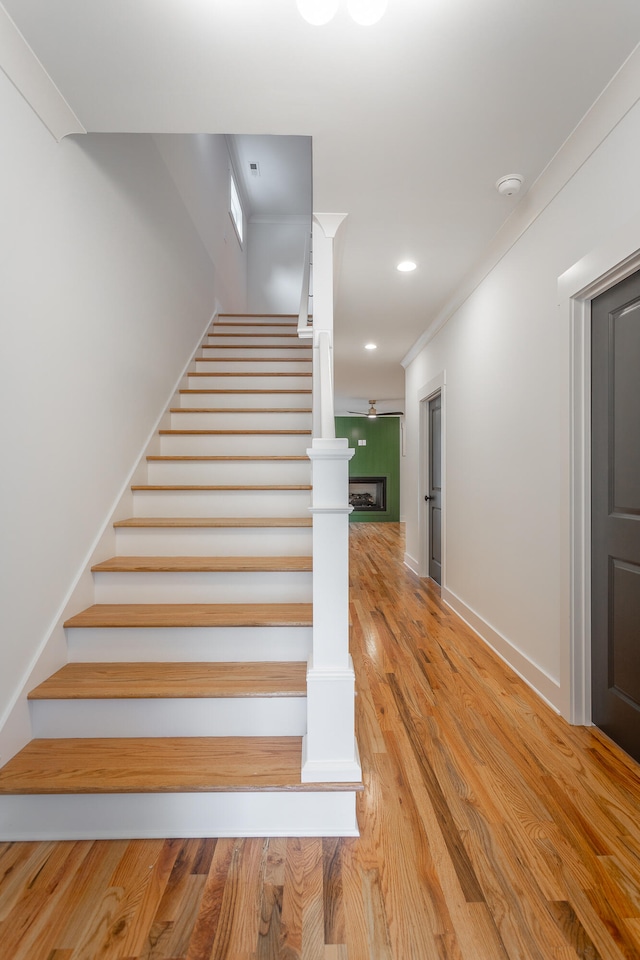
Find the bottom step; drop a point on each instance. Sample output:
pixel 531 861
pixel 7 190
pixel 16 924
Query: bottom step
pixel 166 787
pixel 146 816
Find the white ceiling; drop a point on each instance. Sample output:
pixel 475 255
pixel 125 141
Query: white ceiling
pixel 412 120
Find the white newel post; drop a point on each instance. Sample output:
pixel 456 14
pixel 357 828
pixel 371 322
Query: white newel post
pixel 329 750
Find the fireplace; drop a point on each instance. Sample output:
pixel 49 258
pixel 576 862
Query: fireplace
pixel 368 493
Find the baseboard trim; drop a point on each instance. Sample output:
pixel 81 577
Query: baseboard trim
pixel 544 685
pixel 412 563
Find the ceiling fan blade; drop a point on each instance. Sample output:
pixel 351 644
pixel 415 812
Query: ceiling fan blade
pixel 392 413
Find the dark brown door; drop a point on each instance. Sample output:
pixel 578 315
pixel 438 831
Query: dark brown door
pixel 434 497
pixel 615 569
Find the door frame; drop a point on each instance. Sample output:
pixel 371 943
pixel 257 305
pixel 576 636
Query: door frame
pixel 598 271
pixel 426 393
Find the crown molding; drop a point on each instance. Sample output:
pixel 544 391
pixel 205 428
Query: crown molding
pixel 31 80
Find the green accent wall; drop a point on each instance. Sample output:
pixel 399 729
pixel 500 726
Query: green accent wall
pixel 379 458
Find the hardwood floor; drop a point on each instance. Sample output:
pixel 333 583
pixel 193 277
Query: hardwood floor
pixel 490 829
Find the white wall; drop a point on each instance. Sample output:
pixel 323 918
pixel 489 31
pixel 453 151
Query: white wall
pixel 200 167
pixel 106 289
pixel 505 353
pixel 276 254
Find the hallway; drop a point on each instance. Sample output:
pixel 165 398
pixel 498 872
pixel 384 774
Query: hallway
pixel 490 829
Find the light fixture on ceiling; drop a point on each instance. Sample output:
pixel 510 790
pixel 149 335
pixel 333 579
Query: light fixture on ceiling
pixel 510 185
pixel 373 414
pixel 406 266
pixel 319 12
pixel 371 346
pixel 366 12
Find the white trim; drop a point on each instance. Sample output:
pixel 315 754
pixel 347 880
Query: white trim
pixel 31 80
pixel 598 271
pixel 425 393
pixel 329 223
pixel 533 675
pixel 615 101
pixel 412 563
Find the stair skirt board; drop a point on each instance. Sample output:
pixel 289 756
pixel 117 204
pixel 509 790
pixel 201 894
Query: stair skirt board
pixel 224 644
pixel 213 542
pixel 174 717
pixel 128 816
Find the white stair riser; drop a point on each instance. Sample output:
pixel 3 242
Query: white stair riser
pixel 250 351
pixel 188 644
pixel 241 472
pixel 257 326
pixel 253 338
pixel 214 542
pixel 257 367
pixel 262 420
pixel 251 444
pixel 241 400
pixel 143 815
pixel 189 717
pixel 255 381
pixel 201 587
pixel 221 503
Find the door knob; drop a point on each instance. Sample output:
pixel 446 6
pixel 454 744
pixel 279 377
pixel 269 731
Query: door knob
pixel 429 498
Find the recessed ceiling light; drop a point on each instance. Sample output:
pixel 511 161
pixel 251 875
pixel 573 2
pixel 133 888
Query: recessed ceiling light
pixel 366 12
pixel 371 346
pixel 317 12
pixel 407 266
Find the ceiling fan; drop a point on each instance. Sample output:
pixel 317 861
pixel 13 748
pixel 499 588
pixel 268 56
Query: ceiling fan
pixel 373 413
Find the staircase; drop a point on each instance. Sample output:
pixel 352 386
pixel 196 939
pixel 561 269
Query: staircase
pixel 183 705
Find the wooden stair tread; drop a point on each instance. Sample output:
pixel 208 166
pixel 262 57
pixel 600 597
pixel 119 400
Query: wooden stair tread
pixel 194 615
pixel 222 486
pixel 258 346
pixel 234 433
pixel 240 410
pixel 217 333
pixel 223 457
pixel 93 681
pixel 243 373
pixel 290 317
pixel 159 765
pixel 253 360
pixel 215 522
pixel 238 391
pixel 203 565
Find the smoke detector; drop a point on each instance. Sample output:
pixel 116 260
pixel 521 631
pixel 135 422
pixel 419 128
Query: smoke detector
pixel 509 185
